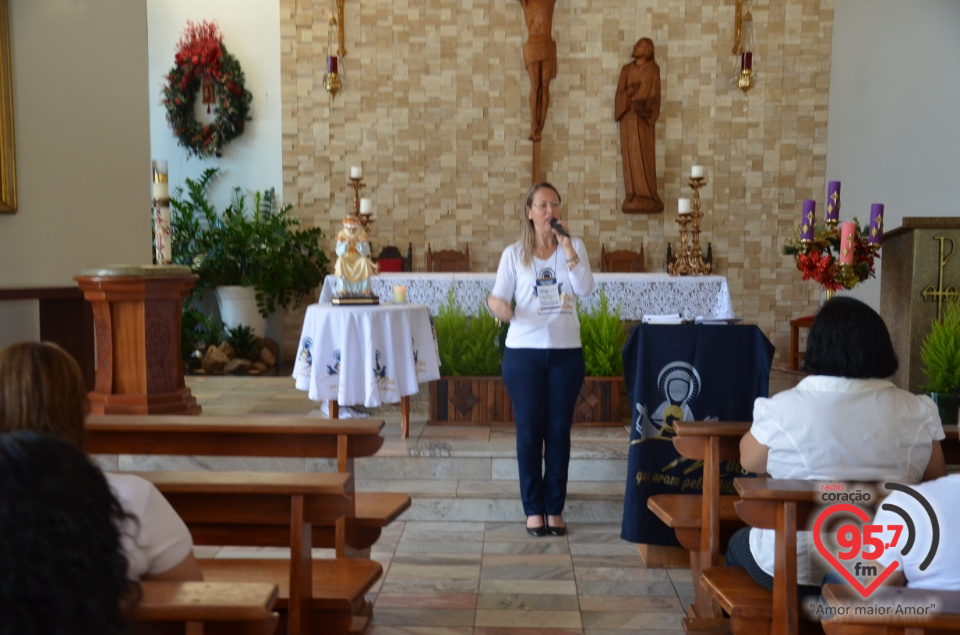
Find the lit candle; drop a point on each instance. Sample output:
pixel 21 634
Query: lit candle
pixel 696 172
pixel 746 61
pixel 356 172
pixel 808 219
pixel 400 293
pixel 331 63
pixel 847 231
pixel 876 224
pixel 366 205
pixel 833 201
pixel 683 206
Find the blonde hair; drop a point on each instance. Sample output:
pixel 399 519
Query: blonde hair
pixel 42 389
pixel 528 237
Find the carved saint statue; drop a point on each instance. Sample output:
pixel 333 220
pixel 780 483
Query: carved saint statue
pixel 354 267
pixel 540 58
pixel 637 108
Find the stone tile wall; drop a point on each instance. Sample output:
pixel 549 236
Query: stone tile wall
pixel 435 110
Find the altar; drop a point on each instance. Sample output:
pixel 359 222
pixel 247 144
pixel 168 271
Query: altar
pixel 637 294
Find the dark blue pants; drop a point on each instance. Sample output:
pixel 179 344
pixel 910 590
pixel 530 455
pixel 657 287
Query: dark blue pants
pixel 544 385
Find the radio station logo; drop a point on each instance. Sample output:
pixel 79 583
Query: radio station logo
pixel 861 544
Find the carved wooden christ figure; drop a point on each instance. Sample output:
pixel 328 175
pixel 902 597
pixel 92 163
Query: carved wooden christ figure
pixel 540 58
pixel 637 108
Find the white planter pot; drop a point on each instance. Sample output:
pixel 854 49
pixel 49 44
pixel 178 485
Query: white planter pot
pixel 238 305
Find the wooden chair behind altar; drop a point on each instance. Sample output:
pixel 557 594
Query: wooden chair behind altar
pixel 621 260
pixel 449 260
pixel 391 260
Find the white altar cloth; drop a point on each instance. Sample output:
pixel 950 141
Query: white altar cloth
pixel 369 355
pixel 637 294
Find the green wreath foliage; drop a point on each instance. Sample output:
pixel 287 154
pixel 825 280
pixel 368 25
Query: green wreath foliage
pixel 201 56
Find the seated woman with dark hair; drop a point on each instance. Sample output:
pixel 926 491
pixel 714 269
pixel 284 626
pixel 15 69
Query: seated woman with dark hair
pixel 845 421
pixel 63 566
pixel 42 390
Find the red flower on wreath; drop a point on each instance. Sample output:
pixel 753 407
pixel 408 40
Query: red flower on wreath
pixel 201 56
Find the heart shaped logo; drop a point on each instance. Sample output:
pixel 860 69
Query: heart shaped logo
pixel 818 541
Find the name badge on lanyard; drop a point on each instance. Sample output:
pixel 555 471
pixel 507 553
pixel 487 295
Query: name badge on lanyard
pixel 548 292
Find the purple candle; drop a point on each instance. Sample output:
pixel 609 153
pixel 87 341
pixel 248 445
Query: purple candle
pixel 332 63
pixel 833 201
pixel 746 61
pixel 876 224
pixel 808 219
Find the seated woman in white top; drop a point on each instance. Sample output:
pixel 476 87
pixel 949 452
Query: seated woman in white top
pixel 42 390
pixel 844 421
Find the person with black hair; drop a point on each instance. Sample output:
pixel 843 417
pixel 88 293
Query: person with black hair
pixel 844 421
pixel 63 571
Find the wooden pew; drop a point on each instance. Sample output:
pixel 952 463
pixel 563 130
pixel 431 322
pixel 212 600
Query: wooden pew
pixel 943 619
pixel 265 436
pixel 951 445
pixel 703 522
pixel 165 608
pixel 238 508
pixel 784 506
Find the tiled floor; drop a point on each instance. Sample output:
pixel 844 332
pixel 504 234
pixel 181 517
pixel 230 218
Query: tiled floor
pixel 491 578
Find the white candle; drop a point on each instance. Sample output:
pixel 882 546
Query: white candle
pixel 161 191
pixel 399 293
pixel 683 206
pixel 356 172
pixel 697 172
pixel 366 206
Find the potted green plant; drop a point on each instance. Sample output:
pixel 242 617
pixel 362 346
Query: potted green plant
pixel 470 347
pixel 940 359
pixel 262 250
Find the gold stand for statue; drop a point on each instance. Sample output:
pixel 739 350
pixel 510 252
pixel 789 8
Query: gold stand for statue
pixel 689 259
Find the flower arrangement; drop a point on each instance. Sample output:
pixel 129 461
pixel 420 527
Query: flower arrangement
pixel 836 257
pixel 819 259
pixel 202 60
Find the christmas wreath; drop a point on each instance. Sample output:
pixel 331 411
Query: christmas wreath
pixel 202 61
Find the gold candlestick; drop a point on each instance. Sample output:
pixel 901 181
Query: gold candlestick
pixel 681 262
pixel 366 220
pixel 698 266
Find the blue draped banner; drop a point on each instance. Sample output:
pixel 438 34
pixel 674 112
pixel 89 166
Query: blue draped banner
pixel 688 373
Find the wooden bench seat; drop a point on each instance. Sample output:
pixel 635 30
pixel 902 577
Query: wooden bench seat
pixel 234 508
pixel 784 506
pixel 234 608
pixel 943 619
pixel 339 586
pixel 264 435
pixel 703 522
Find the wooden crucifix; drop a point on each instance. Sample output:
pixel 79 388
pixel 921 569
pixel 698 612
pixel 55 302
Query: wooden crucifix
pixel 540 59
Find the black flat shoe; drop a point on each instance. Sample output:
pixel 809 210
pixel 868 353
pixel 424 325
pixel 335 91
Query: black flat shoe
pixel 537 531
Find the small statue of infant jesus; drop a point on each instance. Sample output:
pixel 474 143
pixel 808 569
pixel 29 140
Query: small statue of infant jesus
pixel 354 267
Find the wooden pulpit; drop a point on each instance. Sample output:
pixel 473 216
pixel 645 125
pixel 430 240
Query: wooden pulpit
pixel 920 271
pixel 137 311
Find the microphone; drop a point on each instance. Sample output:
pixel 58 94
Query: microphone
pixel 557 227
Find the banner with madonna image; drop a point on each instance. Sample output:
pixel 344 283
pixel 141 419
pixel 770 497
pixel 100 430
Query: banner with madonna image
pixel 688 373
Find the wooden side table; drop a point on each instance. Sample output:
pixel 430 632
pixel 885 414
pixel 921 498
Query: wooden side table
pixel 137 312
pixel 795 325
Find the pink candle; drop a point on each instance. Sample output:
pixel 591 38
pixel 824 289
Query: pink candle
pixel 847 232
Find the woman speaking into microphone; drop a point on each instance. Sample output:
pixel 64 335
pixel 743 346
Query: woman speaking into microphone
pixel 542 275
